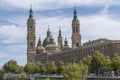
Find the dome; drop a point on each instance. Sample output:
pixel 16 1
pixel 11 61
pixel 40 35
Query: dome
pixel 46 41
pixel 51 45
pixel 66 48
pixel 40 47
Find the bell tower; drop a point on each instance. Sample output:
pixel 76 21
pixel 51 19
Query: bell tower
pixel 76 37
pixel 60 39
pixel 31 39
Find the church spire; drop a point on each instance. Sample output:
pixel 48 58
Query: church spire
pixel 60 39
pixel 31 12
pixel 39 41
pixel 48 32
pixel 75 18
pixel 60 35
pixel 65 42
pixel 48 28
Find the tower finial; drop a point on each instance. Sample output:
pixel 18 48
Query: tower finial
pixel 75 14
pixel 39 41
pixel 31 12
pixel 65 42
pixel 48 32
pixel 74 7
pixel 59 32
pixel 65 38
pixel 40 38
pixel 59 28
pixel 48 28
pixel 30 6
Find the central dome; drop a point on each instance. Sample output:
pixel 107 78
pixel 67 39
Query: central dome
pixel 46 41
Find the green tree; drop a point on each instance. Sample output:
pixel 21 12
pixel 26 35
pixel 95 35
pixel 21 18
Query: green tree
pixel 97 61
pixel 5 77
pixel 2 71
pixel 10 66
pixel 107 64
pixel 21 77
pixel 87 61
pixel 40 68
pixel 29 68
pixel 51 67
pixel 47 79
pixel 19 69
pixel 61 67
pixel 116 63
pixel 75 71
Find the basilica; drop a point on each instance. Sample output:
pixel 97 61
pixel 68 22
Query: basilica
pixel 48 50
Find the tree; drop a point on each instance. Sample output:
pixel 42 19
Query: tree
pixel 87 61
pixel 107 64
pixel 40 68
pixel 116 63
pixel 29 68
pixel 97 61
pixel 21 77
pixel 47 79
pixel 75 71
pixel 5 77
pixel 61 67
pixel 19 69
pixel 51 67
pixel 10 66
pixel 2 71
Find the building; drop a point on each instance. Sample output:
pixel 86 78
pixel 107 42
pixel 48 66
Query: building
pixel 48 50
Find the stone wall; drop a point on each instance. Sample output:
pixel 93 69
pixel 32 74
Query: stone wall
pixel 95 78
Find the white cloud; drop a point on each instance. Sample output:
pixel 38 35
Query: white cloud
pixel 12 33
pixel 52 4
pixel 100 26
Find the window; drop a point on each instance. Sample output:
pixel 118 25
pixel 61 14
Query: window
pixel 31 44
pixel 76 29
pixel 31 29
pixel 73 29
pixel 77 45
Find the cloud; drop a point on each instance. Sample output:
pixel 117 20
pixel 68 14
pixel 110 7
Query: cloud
pixel 52 4
pixel 100 26
pixel 12 33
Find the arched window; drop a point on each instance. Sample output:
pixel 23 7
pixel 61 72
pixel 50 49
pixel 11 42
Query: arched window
pixel 31 45
pixel 77 45
pixel 31 29
pixel 76 29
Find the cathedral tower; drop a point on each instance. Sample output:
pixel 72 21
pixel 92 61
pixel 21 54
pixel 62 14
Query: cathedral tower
pixel 60 39
pixel 65 42
pixel 31 39
pixel 76 37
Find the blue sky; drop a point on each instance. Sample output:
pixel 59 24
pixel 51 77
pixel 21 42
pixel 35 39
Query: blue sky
pixel 98 19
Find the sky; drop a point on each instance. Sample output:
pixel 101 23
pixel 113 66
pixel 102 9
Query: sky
pixel 98 19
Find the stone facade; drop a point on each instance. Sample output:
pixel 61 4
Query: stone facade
pixel 107 47
pixel 48 50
